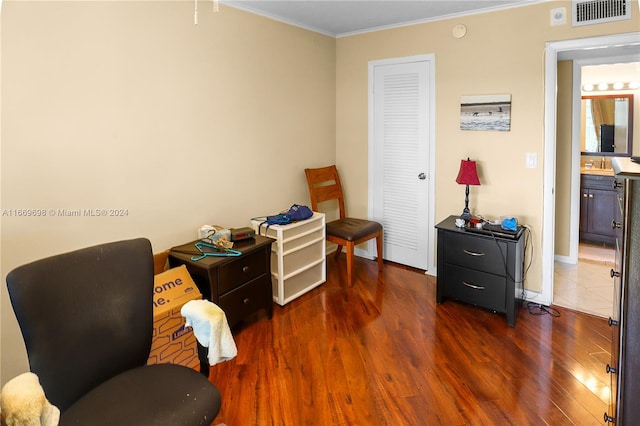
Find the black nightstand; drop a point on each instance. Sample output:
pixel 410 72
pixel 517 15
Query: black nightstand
pixel 240 285
pixel 483 270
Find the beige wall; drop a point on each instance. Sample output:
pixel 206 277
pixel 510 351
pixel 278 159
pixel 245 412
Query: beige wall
pixel 503 52
pixel 563 157
pixel 129 105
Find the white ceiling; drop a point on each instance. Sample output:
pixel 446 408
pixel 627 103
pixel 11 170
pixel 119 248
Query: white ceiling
pixel 345 17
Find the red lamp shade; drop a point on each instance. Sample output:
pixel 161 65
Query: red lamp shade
pixel 468 175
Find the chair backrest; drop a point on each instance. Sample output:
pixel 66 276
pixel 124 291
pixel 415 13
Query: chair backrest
pixel 324 185
pixel 85 316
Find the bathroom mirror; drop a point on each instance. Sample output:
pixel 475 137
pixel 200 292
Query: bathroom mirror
pixel 607 125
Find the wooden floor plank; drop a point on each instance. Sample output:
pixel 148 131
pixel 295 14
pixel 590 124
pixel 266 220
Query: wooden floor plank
pixel 384 353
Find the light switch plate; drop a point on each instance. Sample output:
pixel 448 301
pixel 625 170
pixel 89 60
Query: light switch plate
pixel 532 160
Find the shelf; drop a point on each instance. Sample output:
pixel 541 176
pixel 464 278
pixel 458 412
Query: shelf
pixel 300 283
pixel 298 256
pixel 303 268
pixel 300 242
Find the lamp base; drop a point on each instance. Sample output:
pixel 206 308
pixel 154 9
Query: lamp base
pixel 466 215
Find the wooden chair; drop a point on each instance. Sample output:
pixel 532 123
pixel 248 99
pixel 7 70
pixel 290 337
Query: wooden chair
pixel 324 185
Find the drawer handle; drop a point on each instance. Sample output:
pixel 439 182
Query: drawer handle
pixel 617 184
pixel 473 253
pixel 613 322
pixel 245 269
pixel 611 370
pixel 615 225
pixel 614 274
pixel 475 287
pixel 608 418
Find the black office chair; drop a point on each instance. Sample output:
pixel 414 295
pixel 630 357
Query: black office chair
pixel 87 322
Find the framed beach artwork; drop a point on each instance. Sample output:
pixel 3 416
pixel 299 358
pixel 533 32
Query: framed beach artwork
pixel 486 112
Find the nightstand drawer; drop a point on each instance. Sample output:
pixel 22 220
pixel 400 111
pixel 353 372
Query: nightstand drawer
pixel 236 273
pixel 478 288
pixel 244 300
pixel 481 254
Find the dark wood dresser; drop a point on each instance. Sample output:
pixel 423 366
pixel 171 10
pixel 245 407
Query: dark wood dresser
pixel 624 368
pixel 483 270
pixel 241 285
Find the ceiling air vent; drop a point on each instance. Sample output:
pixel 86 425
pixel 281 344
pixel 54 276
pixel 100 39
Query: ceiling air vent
pixel 599 11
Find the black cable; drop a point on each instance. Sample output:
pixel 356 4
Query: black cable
pixel 540 309
pixel 527 240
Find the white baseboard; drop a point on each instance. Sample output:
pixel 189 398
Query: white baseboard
pixel 534 296
pixel 363 253
pixel 565 259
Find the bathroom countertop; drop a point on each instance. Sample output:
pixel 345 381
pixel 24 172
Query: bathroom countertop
pixel 594 171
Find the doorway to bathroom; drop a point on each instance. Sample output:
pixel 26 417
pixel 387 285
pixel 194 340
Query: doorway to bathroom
pixel 580 276
pixel 556 52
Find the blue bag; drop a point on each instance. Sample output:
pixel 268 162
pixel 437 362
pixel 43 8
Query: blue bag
pixel 277 219
pixel 298 212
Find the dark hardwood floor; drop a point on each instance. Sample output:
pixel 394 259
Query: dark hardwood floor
pixel 384 353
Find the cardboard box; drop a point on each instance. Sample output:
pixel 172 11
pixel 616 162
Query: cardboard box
pixel 160 262
pixel 172 342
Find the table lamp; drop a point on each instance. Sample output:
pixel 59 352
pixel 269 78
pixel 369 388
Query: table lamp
pixel 468 175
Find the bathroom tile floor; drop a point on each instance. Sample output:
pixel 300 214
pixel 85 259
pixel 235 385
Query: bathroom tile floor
pixel 586 286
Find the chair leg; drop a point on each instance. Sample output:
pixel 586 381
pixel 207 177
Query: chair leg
pixel 350 249
pixel 338 251
pixel 204 359
pixel 379 248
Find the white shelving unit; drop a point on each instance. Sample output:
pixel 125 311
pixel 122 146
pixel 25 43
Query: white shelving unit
pixel 298 256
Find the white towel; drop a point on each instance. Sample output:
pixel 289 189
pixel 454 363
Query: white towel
pixel 210 327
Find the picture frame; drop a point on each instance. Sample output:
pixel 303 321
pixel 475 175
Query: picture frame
pixel 486 112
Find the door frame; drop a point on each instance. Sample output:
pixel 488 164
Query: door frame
pixel 550 82
pixel 574 209
pixel 430 60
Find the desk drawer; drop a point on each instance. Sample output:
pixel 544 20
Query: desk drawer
pixel 478 288
pixel 240 271
pixel 245 300
pixel 479 253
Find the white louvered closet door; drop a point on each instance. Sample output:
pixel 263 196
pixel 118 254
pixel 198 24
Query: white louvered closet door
pixel 401 160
